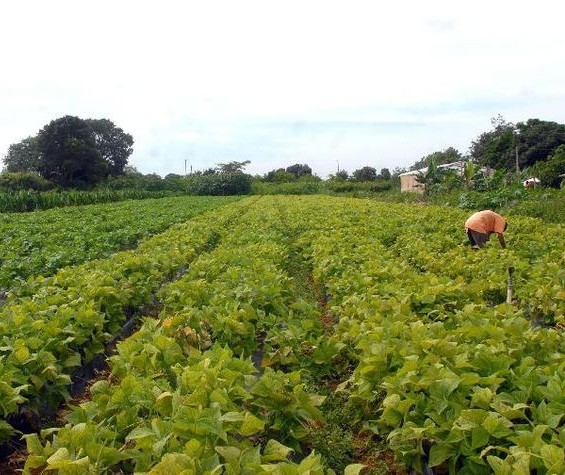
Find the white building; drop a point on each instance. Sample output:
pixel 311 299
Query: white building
pixel 408 181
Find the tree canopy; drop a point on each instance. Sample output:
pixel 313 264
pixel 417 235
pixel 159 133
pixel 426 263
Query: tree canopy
pixel 449 155
pixel 365 174
pixel 113 144
pixel 72 152
pixel 299 170
pixel 537 140
pixel 385 174
pixel 22 156
pixel 531 142
pixel 232 167
pixel 551 172
pixel 280 175
pixel 68 154
pixel 495 148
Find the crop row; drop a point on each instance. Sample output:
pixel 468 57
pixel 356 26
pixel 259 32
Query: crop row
pixel 41 242
pixel 448 372
pixel 183 393
pixel 50 326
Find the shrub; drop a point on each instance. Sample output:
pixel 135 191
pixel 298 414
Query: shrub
pixel 220 184
pixel 21 181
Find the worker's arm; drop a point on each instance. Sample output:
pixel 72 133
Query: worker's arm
pixel 501 240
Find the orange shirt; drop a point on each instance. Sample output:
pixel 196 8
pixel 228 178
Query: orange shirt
pixel 486 222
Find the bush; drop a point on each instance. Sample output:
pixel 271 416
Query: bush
pixel 381 185
pixel 507 196
pixel 220 184
pixel 546 204
pixel 22 181
pixel 551 171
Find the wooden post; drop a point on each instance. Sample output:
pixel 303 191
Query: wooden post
pixel 510 287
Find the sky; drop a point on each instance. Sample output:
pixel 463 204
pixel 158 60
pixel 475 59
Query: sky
pixel 332 84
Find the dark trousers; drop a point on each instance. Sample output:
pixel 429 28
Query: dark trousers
pixel 476 238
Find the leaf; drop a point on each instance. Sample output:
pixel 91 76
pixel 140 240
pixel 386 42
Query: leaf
pixel 139 433
pixel 22 354
pixel 479 437
pixel 233 417
pixel 33 444
pixel 60 455
pixel 553 458
pixel 499 466
pixel 275 452
pixel 72 361
pixel 353 469
pixel 99 387
pixel 174 463
pixel 251 425
pixel 230 454
pixel 164 403
pixel 497 426
pixel 481 398
pixel 439 453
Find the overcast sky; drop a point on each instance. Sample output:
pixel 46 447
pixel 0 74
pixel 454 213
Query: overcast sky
pixel 348 83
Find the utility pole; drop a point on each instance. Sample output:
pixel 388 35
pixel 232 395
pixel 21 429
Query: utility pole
pixel 517 135
pixel 185 167
pixel 338 166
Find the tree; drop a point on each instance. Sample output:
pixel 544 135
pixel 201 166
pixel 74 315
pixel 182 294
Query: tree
pixel 68 153
pixel 385 174
pixel 299 170
pixel 449 155
pixel 22 156
pixel 365 174
pixel 537 140
pixel 551 171
pixel 279 175
pixel 528 142
pixel 341 175
pixel 73 152
pixel 232 167
pixel 113 144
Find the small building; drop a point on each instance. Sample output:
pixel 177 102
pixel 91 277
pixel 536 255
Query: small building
pixel 409 182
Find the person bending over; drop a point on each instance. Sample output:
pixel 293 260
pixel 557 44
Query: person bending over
pixel 482 224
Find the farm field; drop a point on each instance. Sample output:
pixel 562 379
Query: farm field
pixel 41 242
pixel 297 335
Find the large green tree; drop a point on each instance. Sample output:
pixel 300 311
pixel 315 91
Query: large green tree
pixel 68 152
pixel 537 140
pixel 365 174
pixel 551 172
pixel 299 170
pixel 73 152
pixel 526 143
pixel 114 145
pixel 280 175
pixel 232 167
pixel 22 156
pixel 385 174
pixel 496 148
